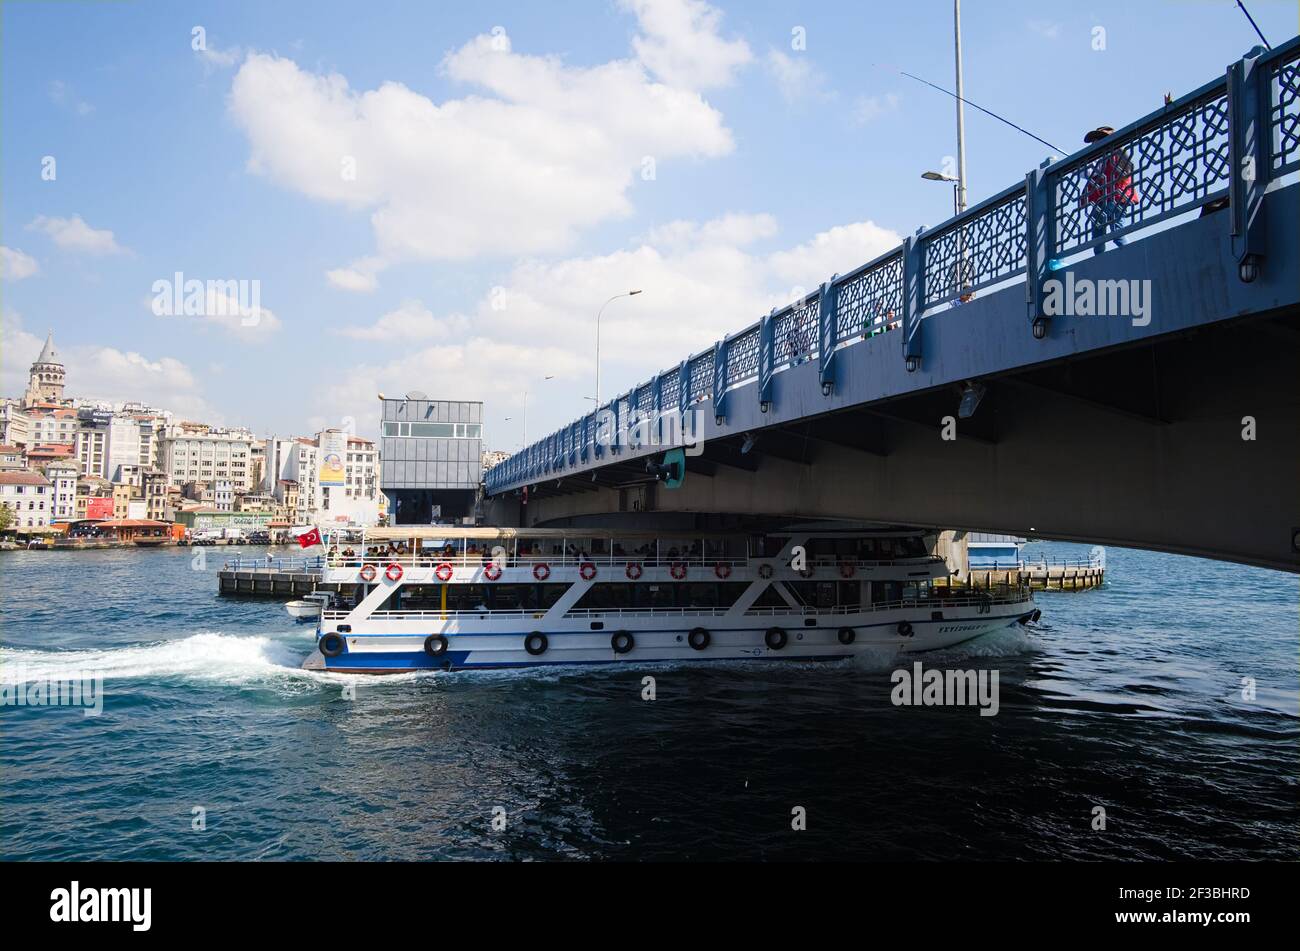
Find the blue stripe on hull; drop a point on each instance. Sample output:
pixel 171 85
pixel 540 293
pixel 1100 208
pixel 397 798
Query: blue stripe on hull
pixel 378 662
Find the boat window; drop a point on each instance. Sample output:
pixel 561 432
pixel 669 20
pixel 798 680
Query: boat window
pixel 883 591
pixel 466 597
pixel 916 591
pixel 770 598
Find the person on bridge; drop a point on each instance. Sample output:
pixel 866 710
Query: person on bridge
pixel 1109 190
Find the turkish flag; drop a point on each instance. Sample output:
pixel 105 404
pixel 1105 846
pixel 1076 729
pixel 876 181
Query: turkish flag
pixel 307 539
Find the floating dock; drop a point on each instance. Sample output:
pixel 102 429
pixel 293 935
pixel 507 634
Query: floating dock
pixel 277 578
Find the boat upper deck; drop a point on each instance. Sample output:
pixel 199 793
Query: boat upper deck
pixel 504 547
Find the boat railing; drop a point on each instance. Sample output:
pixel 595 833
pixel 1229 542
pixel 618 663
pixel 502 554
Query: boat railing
pixel 1009 594
pixel 272 563
pixel 482 560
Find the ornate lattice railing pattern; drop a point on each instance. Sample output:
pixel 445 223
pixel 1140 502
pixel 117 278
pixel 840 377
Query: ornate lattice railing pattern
pixel 1284 114
pixel 979 249
pixel 1169 167
pixel 871 301
pixel 796 333
pixel 700 371
pixel 742 357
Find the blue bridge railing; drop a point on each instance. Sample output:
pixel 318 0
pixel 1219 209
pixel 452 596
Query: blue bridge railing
pixel 1170 162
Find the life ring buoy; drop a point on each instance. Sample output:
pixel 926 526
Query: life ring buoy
pixel 332 644
pixel 435 645
pixel 904 628
pixel 775 638
pixel 443 571
pixel 698 638
pixel 622 642
pixel 678 570
pixel 847 569
pixel 393 572
pixel 541 571
pixel 765 571
pixel 535 643
pixel 722 570
pixel 847 636
pixel 633 571
pixel 368 573
pixel 587 571
pixel 491 571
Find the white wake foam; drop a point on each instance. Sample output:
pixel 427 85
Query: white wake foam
pixel 210 656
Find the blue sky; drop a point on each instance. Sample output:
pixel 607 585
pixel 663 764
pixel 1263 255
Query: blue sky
pixel 439 196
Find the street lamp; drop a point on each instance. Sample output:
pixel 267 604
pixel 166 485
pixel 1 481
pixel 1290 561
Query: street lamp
pixel 544 379
pixel 598 313
pixel 961 116
pixel 956 187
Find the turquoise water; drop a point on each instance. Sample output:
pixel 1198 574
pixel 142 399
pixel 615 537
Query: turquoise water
pixel 1128 698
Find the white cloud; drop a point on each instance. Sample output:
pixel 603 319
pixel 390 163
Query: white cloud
pixel 836 251
pixel 796 76
pixel 360 276
pixel 97 372
pixel 869 108
pixel 737 230
pixel 679 43
pixel 542 152
pixel 410 322
pixel 698 282
pixel 73 234
pixel 214 56
pixel 17 265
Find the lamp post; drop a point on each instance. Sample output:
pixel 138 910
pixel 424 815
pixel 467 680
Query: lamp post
pixel 957 206
pixel 598 313
pixel 961 115
pixel 525 422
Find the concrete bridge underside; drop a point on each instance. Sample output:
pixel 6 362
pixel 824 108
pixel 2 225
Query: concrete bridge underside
pixel 1056 450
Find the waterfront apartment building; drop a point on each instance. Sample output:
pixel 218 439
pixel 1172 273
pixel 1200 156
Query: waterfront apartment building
pixel 14 423
pixel 432 459
pixel 63 490
pixel 153 485
pixel 195 453
pixel 27 495
pixel 48 425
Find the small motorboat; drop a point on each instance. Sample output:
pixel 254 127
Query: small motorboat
pixel 303 609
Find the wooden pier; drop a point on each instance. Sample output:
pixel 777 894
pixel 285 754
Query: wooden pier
pixel 277 578
pixel 1043 576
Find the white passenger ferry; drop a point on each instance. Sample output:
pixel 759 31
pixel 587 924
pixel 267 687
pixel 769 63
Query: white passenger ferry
pixel 432 597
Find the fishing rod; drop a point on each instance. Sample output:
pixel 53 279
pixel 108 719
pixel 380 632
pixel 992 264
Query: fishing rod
pixel 1258 32
pixel 1054 148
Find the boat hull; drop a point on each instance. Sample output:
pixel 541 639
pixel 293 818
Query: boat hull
pixel 666 640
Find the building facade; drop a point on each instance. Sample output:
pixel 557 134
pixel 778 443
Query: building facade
pixel 63 490
pixel 190 455
pixel 431 452
pixel 27 495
